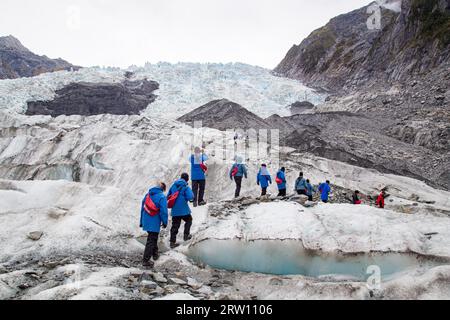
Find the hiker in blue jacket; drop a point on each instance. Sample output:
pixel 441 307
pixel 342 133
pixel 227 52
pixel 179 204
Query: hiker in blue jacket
pixel 198 175
pixel 181 211
pixel 281 182
pixel 263 179
pixel 153 215
pixel 237 172
pixel 310 190
pixel 301 185
pixel 325 190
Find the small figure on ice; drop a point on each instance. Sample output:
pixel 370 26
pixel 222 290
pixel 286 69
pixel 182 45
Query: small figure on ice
pixel 281 182
pixel 238 172
pixel 325 190
pixel 198 174
pixel 301 185
pixel 263 179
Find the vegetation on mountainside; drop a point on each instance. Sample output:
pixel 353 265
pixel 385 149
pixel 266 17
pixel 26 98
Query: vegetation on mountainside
pixel 323 40
pixel 434 21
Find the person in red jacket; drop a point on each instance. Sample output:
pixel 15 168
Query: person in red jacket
pixel 380 199
pixel 356 198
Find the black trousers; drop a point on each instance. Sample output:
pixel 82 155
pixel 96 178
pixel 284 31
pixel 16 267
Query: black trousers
pixel 176 223
pixel 238 181
pixel 282 193
pixel 302 192
pixel 310 198
pixel 151 248
pixel 198 187
pixel 263 191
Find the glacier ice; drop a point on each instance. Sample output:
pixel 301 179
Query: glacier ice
pixel 183 87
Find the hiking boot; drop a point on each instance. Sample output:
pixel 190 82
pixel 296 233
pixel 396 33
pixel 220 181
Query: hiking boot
pixel 148 264
pixel 202 203
pixel 156 257
pixel 195 205
pixel 174 245
pixel 187 238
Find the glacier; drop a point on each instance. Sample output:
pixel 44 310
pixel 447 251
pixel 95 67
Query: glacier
pixel 80 181
pixel 183 87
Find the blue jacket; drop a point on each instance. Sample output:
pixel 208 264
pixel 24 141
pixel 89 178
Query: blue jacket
pixel 301 184
pixel 181 207
pixel 282 176
pixel 196 171
pixel 310 190
pixel 242 170
pixel 263 179
pixel 325 190
pixel 153 224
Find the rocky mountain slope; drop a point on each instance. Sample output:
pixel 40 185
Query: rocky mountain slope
pixel 389 90
pixel 368 141
pixel 224 114
pixel 17 61
pixel 86 99
pixel 346 54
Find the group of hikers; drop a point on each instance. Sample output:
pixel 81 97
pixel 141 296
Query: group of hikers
pixel 155 205
pixel 302 186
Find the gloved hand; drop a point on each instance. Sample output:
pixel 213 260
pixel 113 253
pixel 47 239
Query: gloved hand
pixel 140 226
pixel 164 226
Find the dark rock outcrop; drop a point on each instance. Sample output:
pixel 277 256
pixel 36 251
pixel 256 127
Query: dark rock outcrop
pixel 126 98
pixel 16 61
pixel 224 115
pixel 346 54
pixel 300 107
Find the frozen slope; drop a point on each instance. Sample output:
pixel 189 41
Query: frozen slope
pixel 183 87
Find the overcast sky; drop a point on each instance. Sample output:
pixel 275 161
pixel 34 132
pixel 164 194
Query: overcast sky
pixel 125 32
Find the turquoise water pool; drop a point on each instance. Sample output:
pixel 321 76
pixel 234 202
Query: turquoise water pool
pixel 289 257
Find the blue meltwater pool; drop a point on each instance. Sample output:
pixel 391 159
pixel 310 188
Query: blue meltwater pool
pixel 289 257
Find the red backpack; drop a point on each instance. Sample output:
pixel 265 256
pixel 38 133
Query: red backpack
pixel 172 199
pixel 150 207
pixel 235 171
pixel 204 168
pixel 278 180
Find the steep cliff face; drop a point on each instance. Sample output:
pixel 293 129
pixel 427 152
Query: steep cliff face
pixel 16 61
pixel 346 54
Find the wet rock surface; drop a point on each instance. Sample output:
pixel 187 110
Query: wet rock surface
pixel 31 277
pixel 87 99
pixel 35 235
